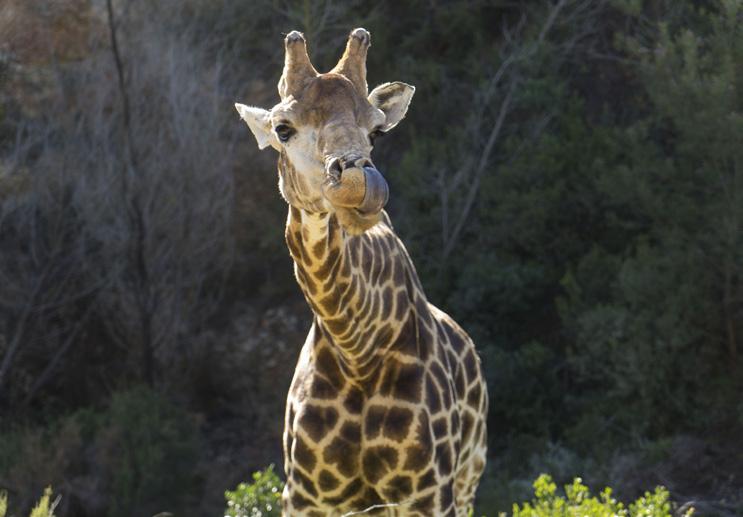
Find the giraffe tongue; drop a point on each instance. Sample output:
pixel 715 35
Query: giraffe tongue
pixel 363 189
pixel 377 192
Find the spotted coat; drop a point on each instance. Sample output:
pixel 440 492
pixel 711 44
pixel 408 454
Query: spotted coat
pixel 388 402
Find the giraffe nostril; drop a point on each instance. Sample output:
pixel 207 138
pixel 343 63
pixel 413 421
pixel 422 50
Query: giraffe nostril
pixel 348 161
pixel 354 160
pixel 334 167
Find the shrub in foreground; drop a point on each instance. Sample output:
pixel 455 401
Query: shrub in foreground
pixel 261 498
pixel 44 508
pixel 579 501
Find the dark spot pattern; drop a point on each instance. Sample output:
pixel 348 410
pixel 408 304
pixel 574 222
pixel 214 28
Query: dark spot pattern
pixel 402 381
pixel 303 455
pixel 459 383
pixel 444 459
pixel 373 421
pixel 354 321
pixel 351 489
pixel 470 366
pixel 427 480
pixel 378 461
pixel 327 366
pixel 318 421
pixel 336 325
pixel 397 423
pixel 319 248
pixel 354 401
pixel 416 457
pixel 433 399
pixel 328 264
pixel 327 481
pixel 398 488
pixel 401 304
pixel 322 389
pixel 473 397
pixel 440 428
pixel 368 499
pixel 299 502
pixel 424 505
pixel 343 454
pixel 331 302
pixel 351 431
pixel 305 482
pixel 447 497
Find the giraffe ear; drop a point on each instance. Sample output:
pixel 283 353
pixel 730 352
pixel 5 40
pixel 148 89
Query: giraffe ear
pixel 393 99
pixel 259 122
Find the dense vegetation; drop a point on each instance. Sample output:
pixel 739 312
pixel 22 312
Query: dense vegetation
pixel 568 181
pixel 260 499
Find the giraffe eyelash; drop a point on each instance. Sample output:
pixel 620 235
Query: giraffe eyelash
pixel 284 132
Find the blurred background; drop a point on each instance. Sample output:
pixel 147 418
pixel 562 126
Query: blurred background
pixel 568 180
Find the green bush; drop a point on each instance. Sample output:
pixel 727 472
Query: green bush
pixel 44 508
pixel 150 447
pixel 578 501
pixel 33 457
pixel 261 498
pixel 142 447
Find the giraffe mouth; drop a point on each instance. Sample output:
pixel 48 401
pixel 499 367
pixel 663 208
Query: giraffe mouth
pixel 362 189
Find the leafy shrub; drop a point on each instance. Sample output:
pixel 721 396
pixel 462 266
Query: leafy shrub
pixel 150 447
pixel 33 457
pixel 579 501
pixel 142 448
pixel 44 508
pixel 261 498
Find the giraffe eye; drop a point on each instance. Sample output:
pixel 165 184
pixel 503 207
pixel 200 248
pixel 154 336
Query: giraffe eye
pixel 284 132
pixel 375 134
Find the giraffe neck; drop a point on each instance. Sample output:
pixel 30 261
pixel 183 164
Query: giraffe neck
pixel 362 289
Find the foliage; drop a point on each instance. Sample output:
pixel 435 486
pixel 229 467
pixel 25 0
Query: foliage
pixel 666 301
pixel 261 498
pixel 590 241
pixel 142 447
pixel 579 501
pixel 149 447
pixel 44 508
pixel 33 456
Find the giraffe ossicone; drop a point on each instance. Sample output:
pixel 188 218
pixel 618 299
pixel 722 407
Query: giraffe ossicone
pixel 387 407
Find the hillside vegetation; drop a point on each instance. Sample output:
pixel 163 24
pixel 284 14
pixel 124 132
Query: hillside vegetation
pixel 568 180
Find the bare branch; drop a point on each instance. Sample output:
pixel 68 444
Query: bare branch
pixel 477 176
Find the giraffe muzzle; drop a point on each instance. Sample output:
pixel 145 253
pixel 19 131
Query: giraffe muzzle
pixel 360 188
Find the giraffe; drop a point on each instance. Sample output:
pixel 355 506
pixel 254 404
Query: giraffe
pixel 386 411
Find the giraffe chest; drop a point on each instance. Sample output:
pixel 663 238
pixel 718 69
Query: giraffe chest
pixel 354 446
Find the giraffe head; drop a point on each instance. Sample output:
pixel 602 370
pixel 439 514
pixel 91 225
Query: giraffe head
pixel 324 129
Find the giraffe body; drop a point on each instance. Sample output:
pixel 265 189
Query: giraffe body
pixel 406 427
pixel 386 412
